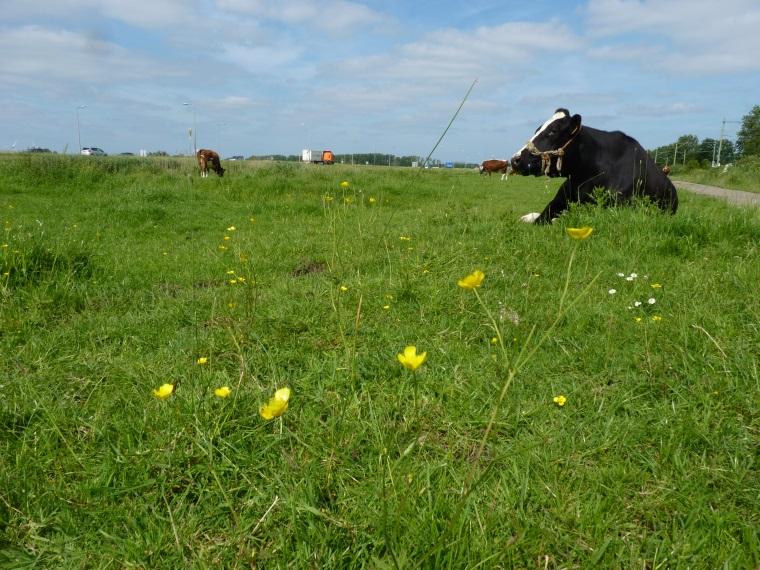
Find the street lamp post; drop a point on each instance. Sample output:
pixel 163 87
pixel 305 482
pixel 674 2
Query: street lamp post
pixel 193 134
pixel 79 136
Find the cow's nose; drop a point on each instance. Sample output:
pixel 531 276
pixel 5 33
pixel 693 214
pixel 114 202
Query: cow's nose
pixel 515 161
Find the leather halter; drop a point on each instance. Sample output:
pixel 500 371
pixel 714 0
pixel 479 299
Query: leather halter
pixel 546 155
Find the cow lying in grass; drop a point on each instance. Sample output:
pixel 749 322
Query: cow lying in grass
pixel 589 158
pixel 209 159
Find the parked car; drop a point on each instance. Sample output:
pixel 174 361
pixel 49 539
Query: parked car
pixel 93 151
pixel 38 149
pixel 236 157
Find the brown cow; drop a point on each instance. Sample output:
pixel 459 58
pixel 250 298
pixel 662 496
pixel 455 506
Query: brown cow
pixel 209 159
pixel 666 170
pixel 490 166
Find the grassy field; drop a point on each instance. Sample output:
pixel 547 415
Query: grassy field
pixel 117 276
pixel 744 175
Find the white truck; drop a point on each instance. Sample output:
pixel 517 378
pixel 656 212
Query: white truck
pixel 317 156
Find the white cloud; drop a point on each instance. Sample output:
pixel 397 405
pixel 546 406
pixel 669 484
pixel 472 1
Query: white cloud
pixel 328 15
pixel 682 36
pixel 662 110
pixel 41 54
pixel 236 102
pixel 495 54
pixel 261 59
pixel 152 14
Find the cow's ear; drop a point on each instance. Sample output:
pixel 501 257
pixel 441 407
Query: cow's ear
pixel 575 124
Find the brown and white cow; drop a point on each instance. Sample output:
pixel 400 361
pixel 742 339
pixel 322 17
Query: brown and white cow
pixel 490 166
pixel 209 159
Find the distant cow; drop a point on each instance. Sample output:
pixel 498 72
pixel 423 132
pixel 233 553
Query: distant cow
pixel 589 158
pixel 209 159
pixel 491 166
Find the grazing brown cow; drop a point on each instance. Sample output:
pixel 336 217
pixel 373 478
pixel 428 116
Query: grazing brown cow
pixel 490 166
pixel 666 170
pixel 209 159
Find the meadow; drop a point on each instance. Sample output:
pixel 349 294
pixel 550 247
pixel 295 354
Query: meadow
pixel 592 404
pixel 743 175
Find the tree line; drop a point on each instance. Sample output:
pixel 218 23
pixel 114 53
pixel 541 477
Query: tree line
pixel 689 150
pixel 370 158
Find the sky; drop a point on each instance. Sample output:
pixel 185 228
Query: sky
pixel 258 77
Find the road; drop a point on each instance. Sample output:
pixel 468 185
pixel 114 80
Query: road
pixel 734 196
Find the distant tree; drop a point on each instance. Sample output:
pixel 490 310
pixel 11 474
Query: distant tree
pixel 748 138
pixel 727 152
pixel 707 149
pixel 688 148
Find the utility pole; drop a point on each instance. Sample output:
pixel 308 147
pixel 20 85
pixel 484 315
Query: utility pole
pixel 79 135
pixel 720 143
pixel 675 154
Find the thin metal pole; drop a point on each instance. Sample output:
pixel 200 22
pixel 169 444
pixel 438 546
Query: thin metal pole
pixel 79 134
pixel 450 122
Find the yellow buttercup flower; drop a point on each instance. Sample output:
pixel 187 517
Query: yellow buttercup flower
pixel 202 360
pixel 579 233
pixel 472 281
pixel 410 359
pixel 164 391
pixel 276 405
pixel 223 392
pixel 344 184
pixel 231 229
pixel 560 400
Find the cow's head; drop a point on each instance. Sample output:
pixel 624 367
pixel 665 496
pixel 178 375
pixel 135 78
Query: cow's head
pixel 549 140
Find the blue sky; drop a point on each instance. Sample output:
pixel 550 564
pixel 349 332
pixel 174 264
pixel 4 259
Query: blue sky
pixel 278 76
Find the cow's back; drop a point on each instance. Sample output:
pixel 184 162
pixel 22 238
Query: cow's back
pixel 618 162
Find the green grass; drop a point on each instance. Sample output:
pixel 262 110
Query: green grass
pixel 744 175
pixel 114 281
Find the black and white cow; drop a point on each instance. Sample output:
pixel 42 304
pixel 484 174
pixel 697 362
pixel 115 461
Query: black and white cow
pixel 589 158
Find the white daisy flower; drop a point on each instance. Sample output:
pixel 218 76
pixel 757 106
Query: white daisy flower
pixel 634 275
pixel 629 278
pixel 651 301
pixel 637 303
pixel 612 291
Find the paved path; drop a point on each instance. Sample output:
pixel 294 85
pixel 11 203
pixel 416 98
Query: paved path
pixel 734 196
